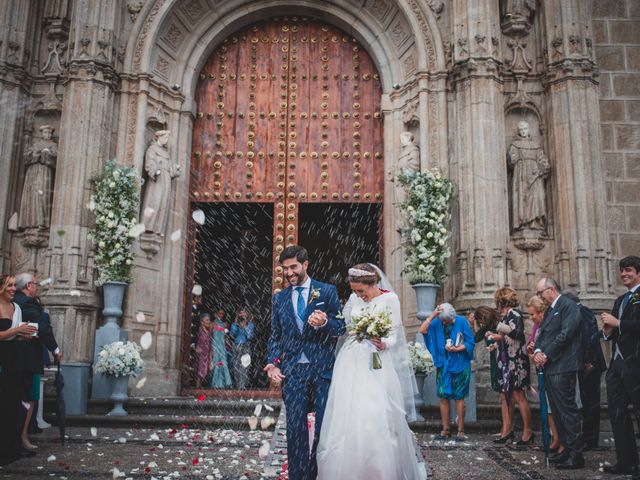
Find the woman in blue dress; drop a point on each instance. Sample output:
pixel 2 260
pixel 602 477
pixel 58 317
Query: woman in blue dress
pixel 220 376
pixel 451 343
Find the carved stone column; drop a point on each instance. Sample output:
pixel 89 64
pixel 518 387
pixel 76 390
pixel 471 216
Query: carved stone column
pixel 582 247
pixel 85 139
pixel 480 220
pixel 16 23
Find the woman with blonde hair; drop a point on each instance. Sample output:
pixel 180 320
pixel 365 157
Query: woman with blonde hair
pixel 12 383
pixel 513 365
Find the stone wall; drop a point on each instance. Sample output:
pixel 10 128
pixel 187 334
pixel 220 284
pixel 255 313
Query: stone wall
pixel 616 25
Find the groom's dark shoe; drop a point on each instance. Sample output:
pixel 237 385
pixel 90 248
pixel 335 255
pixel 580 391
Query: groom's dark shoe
pixel 621 469
pixel 574 462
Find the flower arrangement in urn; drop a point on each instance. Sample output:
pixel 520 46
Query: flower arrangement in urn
pixel 120 359
pixel 421 359
pixel 115 205
pixel 428 197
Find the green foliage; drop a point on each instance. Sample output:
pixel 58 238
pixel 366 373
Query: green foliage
pixel 428 197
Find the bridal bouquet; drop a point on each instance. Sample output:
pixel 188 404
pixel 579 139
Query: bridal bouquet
pixel 368 325
pixel 120 359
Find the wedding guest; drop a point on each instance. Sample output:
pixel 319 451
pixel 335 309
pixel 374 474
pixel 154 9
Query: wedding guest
pixel 31 353
pixel 450 342
pixel 220 376
pixel 241 332
pixel 12 386
pixel 486 320
pixel 536 308
pixel 513 365
pixel 203 349
pixel 590 375
pixel 622 327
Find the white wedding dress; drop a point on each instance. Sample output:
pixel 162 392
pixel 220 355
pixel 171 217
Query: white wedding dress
pixel 364 432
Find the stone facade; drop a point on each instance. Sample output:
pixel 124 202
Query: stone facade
pixel 459 75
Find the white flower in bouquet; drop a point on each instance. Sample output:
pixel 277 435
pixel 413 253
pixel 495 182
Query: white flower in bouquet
pixel 370 324
pixel 421 358
pixel 119 359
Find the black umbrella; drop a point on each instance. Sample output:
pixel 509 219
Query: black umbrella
pixel 61 408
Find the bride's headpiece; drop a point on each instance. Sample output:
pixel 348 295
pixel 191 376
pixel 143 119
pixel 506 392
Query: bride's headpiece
pixel 356 272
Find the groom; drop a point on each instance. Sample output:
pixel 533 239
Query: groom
pixel 304 330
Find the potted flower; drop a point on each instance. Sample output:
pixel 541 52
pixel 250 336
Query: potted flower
pixel 422 363
pixel 426 208
pixel 115 205
pixel 119 361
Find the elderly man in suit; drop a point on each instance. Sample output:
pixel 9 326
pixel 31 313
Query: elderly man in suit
pixel 304 331
pixel 31 353
pixel 558 350
pixel 622 327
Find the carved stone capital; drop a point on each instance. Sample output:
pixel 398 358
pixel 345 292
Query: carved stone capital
pixel 150 243
pixel 528 239
pixel 35 237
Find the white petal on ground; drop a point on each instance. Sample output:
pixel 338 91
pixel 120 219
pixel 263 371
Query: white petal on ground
pixel 266 422
pixel 257 410
pixel 245 360
pixel 196 290
pixel 146 340
pixel 153 436
pixel 117 473
pixel 268 408
pixel 253 422
pixel 175 236
pixel 137 230
pixel 148 212
pixel 94 432
pixel 75 293
pixel 140 317
pixel 141 383
pixel 264 449
pixel 198 217
pixel 51 458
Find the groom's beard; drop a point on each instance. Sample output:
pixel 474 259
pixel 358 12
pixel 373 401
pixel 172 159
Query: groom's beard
pixel 297 278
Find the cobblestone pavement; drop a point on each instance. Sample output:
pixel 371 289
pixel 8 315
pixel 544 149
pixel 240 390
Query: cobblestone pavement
pixel 227 454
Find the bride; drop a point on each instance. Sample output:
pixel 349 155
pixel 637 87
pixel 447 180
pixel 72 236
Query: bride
pixel 365 433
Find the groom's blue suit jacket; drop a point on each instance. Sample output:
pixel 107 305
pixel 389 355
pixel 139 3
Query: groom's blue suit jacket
pixel 286 343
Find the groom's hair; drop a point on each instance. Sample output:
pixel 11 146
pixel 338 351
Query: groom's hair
pixel 294 251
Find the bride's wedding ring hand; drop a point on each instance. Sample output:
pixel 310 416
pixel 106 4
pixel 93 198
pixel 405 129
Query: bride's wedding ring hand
pixel 379 344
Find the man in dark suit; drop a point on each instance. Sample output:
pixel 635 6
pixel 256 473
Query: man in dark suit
pixel 589 376
pixel 31 353
pixel 304 330
pixel 622 327
pixel 558 350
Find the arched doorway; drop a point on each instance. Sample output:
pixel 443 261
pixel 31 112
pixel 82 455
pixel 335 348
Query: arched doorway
pixel 287 148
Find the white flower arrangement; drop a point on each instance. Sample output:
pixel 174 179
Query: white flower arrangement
pixel 421 358
pixel 115 205
pixel 426 236
pixel 119 359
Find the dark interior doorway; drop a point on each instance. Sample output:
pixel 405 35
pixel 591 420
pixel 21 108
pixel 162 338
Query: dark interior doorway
pixel 233 264
pixel 339 235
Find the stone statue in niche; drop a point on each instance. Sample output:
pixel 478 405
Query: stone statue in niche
pixel 530 168
pixel 517 16
pixel 160 171
pixel 40 160
pixel 409 153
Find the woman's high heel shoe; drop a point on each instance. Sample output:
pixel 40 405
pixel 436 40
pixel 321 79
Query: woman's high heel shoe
pixel 27 445
pixel 505 439
pixel 529 441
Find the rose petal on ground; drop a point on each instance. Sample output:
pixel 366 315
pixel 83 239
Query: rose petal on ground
pixel 137 230
pixel 266 422
pixel 141 382
pixel 253 422
pixel 245 360
pixel 94 432
pixel 140 317
pixel 264 449
pixel 146 340
pixel 197 290
pixel 51 458
pixel 175 236
pixel 257 410
pixel 198 216
pixel 201 397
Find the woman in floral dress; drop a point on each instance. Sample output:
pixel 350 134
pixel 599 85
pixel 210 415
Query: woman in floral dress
pixel 513 365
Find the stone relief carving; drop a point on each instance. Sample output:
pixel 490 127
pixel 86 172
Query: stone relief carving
pixel 157 196
pixel 519 62
pixel 517 16
pixel 40 161
pixel 409 158
pixel 134 7
pixel 530 168
pixel 55 59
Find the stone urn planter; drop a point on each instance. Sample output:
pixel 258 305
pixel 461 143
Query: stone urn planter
pixel 119 390
pixel 419 402
pixel 426 299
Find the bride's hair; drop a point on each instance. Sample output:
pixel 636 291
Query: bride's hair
pixel 364 273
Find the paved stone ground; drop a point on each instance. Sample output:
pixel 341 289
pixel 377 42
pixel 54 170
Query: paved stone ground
pixel 227 454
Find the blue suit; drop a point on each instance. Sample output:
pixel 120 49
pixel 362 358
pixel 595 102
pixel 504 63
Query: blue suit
pixel 306 385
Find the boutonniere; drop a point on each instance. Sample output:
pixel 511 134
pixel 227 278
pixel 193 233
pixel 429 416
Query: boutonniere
pixel 635 297
pixel 315 294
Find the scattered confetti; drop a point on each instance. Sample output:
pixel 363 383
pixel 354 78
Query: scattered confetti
pixel 264 449
pixel 175 236
pixel 257 410
pixel 75 293
pixel 245 360
pixel 46 281
pixel 148 212
pixel 198 217
pixel 94 432
pixel 197 290
pixel 140 318
pixel 253 422
pixel 146 340
pixel 51 458
pixel 266 422
pixel 141 382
